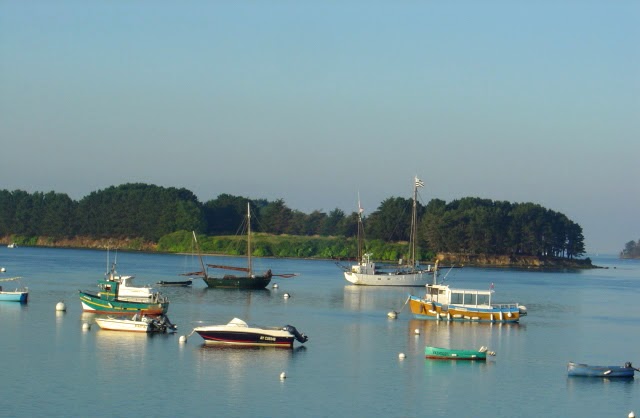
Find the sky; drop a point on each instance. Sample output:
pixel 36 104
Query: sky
pixel 315 102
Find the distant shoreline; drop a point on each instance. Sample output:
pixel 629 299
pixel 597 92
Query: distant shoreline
pixel 450 259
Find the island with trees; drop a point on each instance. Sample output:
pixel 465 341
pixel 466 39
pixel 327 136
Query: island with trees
pixel 137 216
pixel 631 250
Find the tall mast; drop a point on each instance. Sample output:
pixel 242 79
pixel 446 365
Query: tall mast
pixel 195 240
pixel 414 220
pixel 360 230
pixel 249 239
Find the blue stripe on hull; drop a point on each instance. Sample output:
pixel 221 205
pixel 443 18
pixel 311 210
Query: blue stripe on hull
pixel 445 319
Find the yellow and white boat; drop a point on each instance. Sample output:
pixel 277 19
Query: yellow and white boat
pixel 444 303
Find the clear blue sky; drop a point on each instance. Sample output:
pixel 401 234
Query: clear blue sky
pixel 313 102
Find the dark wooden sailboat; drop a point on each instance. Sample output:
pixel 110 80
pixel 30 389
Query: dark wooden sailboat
pixel 247 279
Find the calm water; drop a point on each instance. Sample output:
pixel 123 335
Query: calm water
pixel 349 366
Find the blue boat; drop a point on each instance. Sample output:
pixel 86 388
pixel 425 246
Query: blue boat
pixel 586 370
pixel 20 295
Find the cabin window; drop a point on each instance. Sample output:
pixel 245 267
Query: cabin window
pixel 469 299
pixel 456 298
pixel 483 299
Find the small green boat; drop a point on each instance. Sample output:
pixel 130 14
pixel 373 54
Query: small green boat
pixel 440 353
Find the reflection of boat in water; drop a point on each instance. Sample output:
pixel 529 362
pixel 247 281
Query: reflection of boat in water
pixel 442 302
pixel 587 370
pixel 239 333
pixel 361 298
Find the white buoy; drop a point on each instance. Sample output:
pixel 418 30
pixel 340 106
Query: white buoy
pixel 61 307
pixel 417 331
pixel 401 356
pixel 283 376
pixel 2 269
pixel 392 314
pixel 275 285
pixel 286 296
pixel 632 415
pixel 182 339
pixel 86 326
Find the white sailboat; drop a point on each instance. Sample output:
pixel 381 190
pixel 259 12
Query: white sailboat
pixel 367 274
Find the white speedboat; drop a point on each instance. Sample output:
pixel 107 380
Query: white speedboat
pixel 239 333
pixel 138 323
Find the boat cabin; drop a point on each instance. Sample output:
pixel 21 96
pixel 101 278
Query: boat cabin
pixel 468 297
pixel 366 266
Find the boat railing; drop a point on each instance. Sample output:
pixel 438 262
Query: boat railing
pixel 506 305
pixel 155 298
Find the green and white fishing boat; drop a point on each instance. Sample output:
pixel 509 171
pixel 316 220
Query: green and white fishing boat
pixel 117 295
pixel 440 353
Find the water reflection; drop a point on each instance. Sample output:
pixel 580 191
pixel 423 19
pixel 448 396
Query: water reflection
pixel 433 367
pixel 119 347
pixel 360 298
pixel 12 308
pixel 581 385
pixel 236 364
pixel 459 335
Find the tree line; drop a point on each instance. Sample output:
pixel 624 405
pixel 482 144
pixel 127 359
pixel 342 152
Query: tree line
pixel 149 212
pixel 631 250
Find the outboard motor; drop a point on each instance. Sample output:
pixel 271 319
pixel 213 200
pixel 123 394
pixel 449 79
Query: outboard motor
pixel 167 323
pixel 298 336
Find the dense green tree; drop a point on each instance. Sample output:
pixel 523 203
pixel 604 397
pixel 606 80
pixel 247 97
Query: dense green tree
pixel 331 224
pixel 139 210
pixel 391 221
pixel 275 217
pixel 467 225
pixel 225 214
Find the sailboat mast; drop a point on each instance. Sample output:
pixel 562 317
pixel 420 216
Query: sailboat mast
pixel 195 240
pixel 249 240
pixel 414 229
pixel 360 230
pixel 414 221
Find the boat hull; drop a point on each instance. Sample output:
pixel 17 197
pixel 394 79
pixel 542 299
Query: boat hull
pixel 17 296
pixel 422 309
pixel 238 282
pixel 238 333
pixel 585 370
pixel 123 325
pixel 183 283
pixel 246 338
pixel 438 353
pixel 388 279
pixel 94 303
